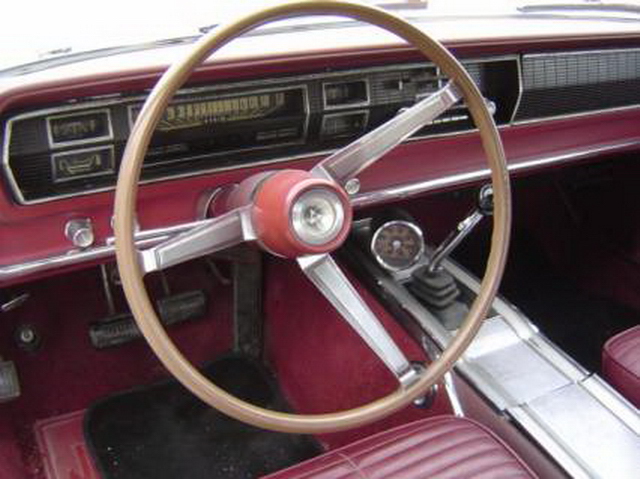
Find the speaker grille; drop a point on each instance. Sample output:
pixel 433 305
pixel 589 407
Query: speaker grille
pixel 572 83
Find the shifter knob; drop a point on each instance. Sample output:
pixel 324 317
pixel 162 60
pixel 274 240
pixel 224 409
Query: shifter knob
pixel 485 200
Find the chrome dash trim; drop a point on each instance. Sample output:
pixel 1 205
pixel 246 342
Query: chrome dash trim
pixel 131 103
pixel 583 52
pixel 87 141
pixel 370 198
pixel 409 190
pixel 327 116
pixel 60 154
pixel 73 257
pixel 568 116
pixel 366 102
pixel 111 100
pixel 520 90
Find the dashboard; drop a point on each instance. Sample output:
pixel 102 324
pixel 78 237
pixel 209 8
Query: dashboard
pixel 61 150
pixel 74 148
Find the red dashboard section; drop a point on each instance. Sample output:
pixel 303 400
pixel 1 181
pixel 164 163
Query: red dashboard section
pixel 37 231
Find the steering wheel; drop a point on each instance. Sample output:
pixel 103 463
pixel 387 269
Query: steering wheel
pixel 305 215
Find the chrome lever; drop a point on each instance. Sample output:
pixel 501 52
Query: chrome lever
pixel 14 303
pixel 484 208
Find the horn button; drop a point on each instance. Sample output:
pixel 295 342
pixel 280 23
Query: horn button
pixel 295 213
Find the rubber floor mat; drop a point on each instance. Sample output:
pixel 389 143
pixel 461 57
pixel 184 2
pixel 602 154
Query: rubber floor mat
pixel 62 447
pixel 163 431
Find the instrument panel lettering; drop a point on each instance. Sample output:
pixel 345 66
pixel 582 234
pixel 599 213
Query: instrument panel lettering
pixel 200 113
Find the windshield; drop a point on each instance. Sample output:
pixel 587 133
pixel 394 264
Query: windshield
pixel 34 31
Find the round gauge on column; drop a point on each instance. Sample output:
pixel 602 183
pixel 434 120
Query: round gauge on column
pixel 397 244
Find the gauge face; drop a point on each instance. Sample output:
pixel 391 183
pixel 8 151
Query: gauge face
pixel 397 245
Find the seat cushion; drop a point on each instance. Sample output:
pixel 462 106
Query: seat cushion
pixel 621 363
pixel 441 447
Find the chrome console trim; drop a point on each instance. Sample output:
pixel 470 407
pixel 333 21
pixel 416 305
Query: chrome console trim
pixel 568 411
pixel 565 408
pixel 394 193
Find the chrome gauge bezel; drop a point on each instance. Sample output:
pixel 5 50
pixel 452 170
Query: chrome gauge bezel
pixel 413 261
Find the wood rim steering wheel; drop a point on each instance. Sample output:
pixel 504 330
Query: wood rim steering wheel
pixel 306 215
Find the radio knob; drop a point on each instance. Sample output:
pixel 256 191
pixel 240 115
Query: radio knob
pixel 80 232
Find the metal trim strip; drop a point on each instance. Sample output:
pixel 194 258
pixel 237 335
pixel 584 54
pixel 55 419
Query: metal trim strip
pixel 414 189
pixel 150 237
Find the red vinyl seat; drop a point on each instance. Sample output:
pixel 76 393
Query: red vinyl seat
pixel 621 363
pixel 439 448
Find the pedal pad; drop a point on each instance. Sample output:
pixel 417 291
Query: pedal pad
pixel 9 384
pixel 122 328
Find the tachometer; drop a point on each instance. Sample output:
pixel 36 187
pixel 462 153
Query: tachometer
pixel 397 244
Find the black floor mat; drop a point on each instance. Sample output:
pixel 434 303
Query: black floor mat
pixel 576 320
pixel 163 431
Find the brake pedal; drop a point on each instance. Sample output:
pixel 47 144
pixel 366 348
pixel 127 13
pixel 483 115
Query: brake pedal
pixel 119 329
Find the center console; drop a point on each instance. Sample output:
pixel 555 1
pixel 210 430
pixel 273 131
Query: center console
pixel 528 381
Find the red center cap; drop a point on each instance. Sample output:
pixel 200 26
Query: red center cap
pixel 296 214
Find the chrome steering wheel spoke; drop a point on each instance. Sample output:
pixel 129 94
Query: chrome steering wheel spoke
pixel 327 276
pixel 347 162
pixel 219 233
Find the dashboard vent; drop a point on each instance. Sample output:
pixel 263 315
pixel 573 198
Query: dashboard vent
pixel 578 82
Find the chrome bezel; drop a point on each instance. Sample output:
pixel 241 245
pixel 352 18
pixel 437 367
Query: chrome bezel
pixel 327 116
pixel 328 107
pixel 413 227
pixel 87 141
pixel 296 141
pixel 112 161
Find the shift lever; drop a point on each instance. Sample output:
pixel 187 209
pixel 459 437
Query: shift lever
pixel 466 226
pixel 437 288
